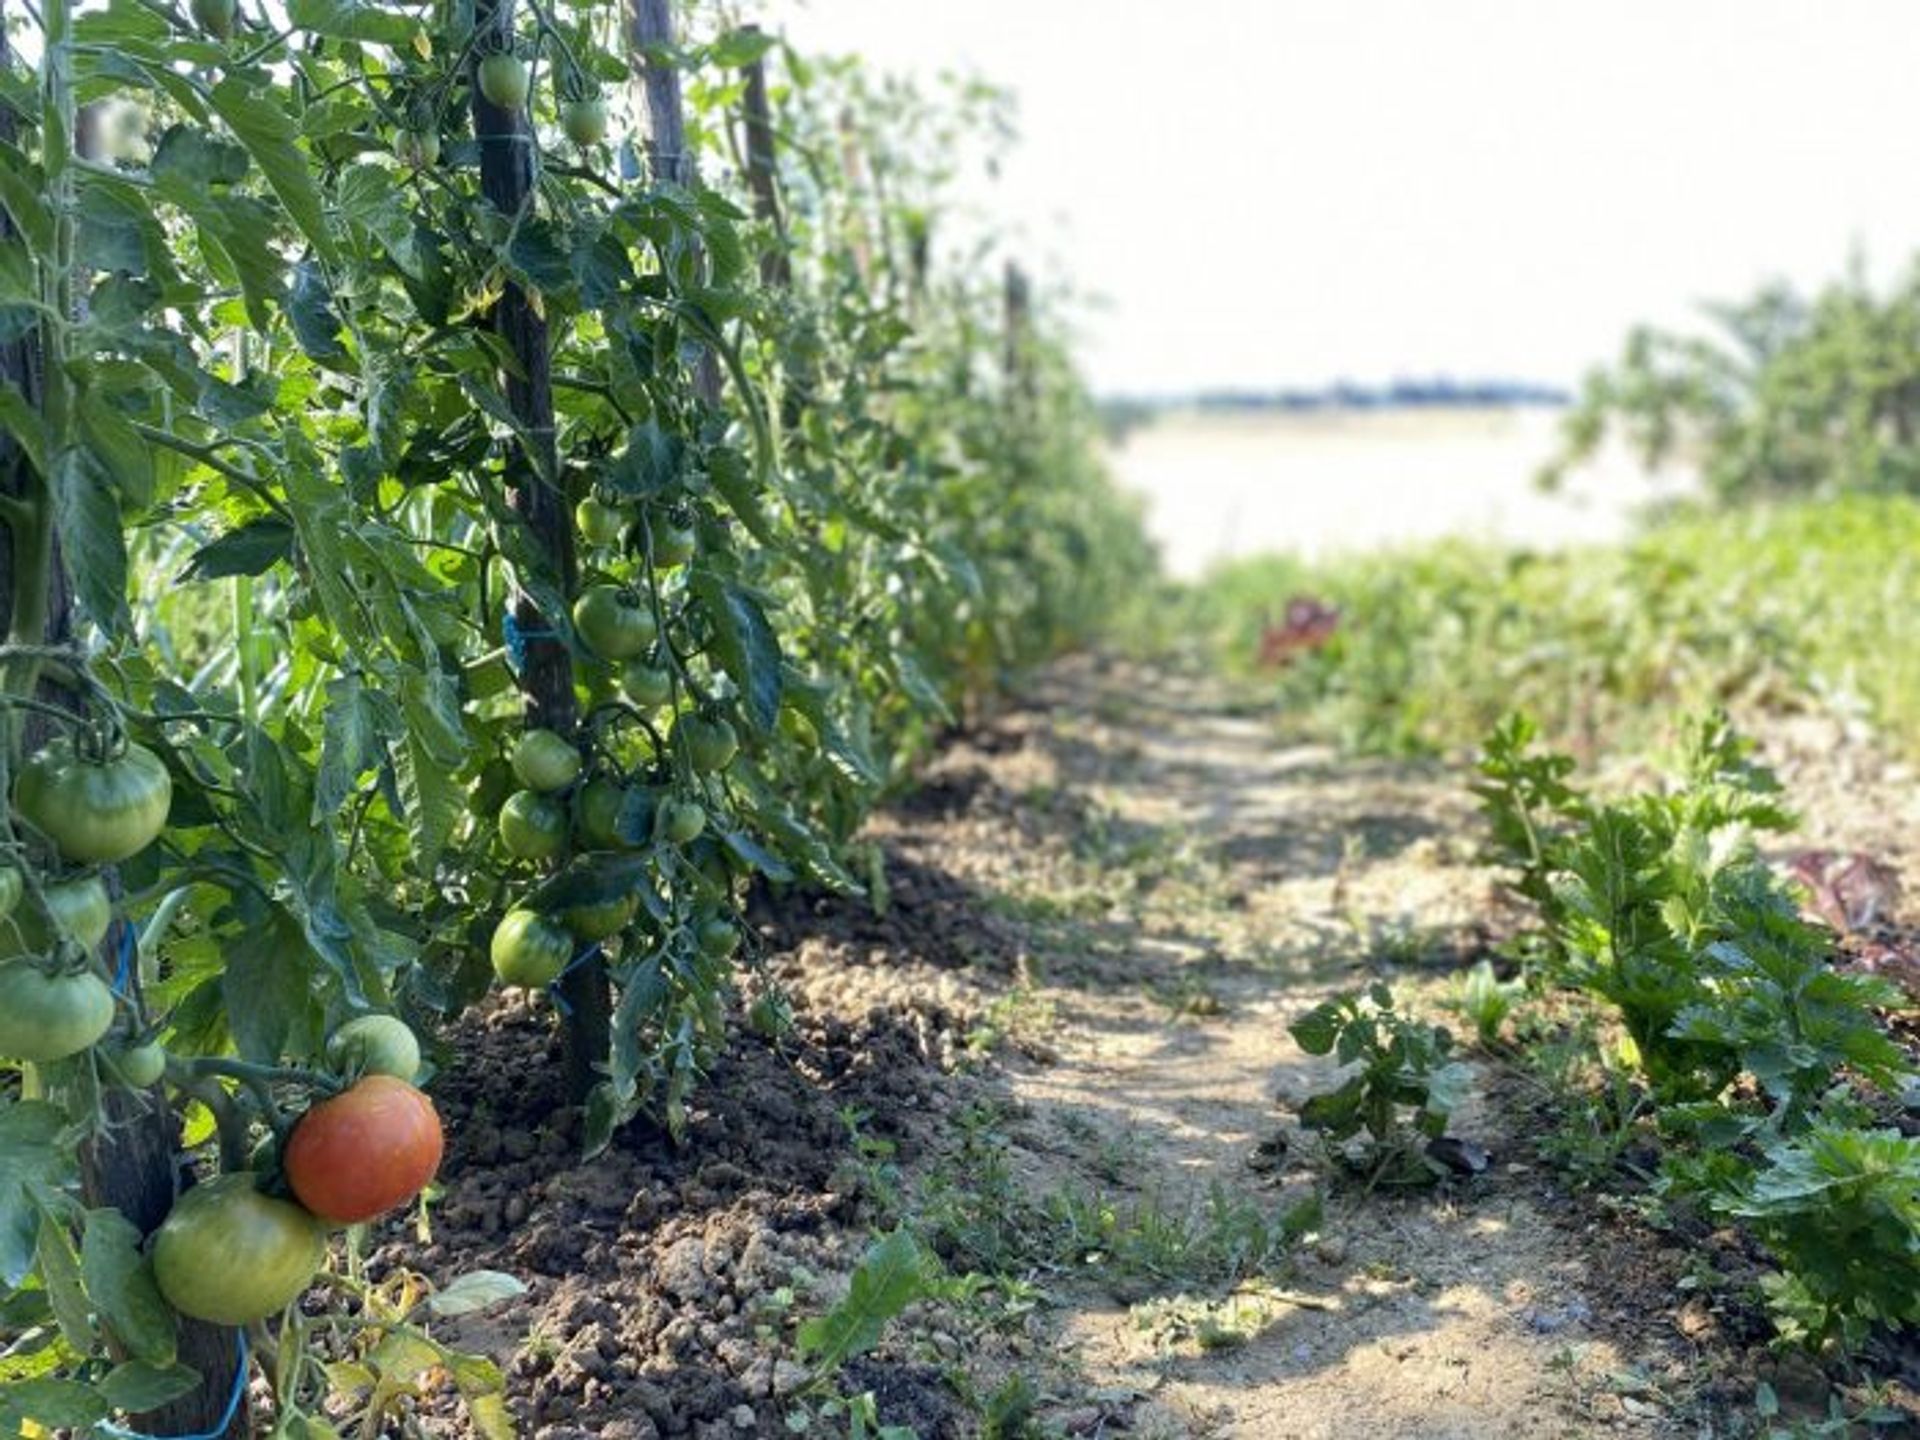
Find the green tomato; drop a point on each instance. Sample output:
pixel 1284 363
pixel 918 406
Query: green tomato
pixel 599 522
pixel 672 544
pixel 417 149
pixel 681 821
pixel 80 909
pixel 648 686
pixel 215 17
pixel 375 1045
pixel 545 762
pixel 585 121
pixel 599 919
pixel 613 623
pixel 717 939
pixel 11 888
pixel 97 812
pixel 503 80
pixel 47 1016
pixel 229 1255
pixel 530 949
pixel 710 744
pixel 601 803
pixel 140 1066
pixel 533 826
pixel 769 1016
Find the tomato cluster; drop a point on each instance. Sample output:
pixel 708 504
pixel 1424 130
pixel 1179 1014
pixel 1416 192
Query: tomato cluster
pixel 620 832
pixel 351 1157
pixel 82 804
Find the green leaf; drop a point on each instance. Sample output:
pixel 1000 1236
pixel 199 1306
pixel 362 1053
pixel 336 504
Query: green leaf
pixel 23 194
pixel 354 734
pixel 120 1282
pixel 36 1154
pixel 649 465
pixel 24 426
pixel 263 125
pixel 60 1276
pixel 736 483
pixel 1338 1112
pixel 895 1273
pixel 1316 1031
pixel 740 47
pixel 746 645
pixel 253 549
pixel 191 155
pixel 435 802
pixel 476 1290
pixel 310 308
pixel 86 512
pixel 349 20
pixel 139 1386
pixel 265 985
pixel 50 1402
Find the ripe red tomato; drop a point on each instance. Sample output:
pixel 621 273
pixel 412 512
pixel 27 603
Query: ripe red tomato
pixel 370 1148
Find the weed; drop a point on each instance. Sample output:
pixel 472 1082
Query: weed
pixel 1402 1065
pixel 1485 1000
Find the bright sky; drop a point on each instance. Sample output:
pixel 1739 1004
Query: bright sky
pixel 1272 192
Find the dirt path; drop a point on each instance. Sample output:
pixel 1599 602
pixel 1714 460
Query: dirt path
pixel 1213 885
pixel 1059 1056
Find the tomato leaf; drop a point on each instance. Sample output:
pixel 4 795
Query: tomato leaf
pixel 476 1290
pixel 139 1385
pixel 252 549
pixel 87 515
pixel 268 131
pixel 51 1403
pixel 36 1155
pixel 121 1284
pixel 746 645
pixel 348 20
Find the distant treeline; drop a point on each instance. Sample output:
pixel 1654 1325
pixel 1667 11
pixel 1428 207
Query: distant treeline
pixel 1122 412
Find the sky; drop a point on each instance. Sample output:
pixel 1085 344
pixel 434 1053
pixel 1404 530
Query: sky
pixel 1261 193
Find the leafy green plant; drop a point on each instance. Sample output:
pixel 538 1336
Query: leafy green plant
pixel 1839 1208
pixel 895 1272
pixel 1528 807
pixel 1485 1000
pixel 1402 1064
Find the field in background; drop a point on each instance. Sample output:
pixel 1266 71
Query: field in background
pixel 1226 486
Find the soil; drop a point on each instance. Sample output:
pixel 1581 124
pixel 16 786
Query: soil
pixel 1066 1034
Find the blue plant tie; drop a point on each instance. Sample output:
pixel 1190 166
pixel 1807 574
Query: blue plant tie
pixel 239 1393
pixel 553 990
pixel 517 639
pixel 123 971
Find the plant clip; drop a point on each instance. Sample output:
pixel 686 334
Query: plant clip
pixel 517 639
pixel 553 988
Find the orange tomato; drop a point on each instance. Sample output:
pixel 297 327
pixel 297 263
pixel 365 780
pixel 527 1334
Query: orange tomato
pixel 372 1147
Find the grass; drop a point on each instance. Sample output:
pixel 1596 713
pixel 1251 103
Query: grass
pixel 977 1214
pixel 1777 606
